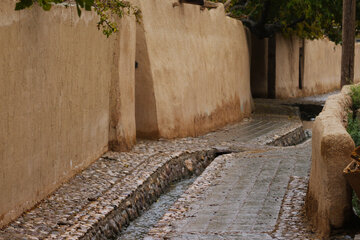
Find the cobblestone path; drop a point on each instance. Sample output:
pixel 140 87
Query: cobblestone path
pixel 255 195
pixel 255 192
pixel 80 204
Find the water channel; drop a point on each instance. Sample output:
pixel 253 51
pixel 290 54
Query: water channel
pixel 140 226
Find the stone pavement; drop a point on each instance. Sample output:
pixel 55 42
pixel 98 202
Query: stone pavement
pixel 100 201
pixel 255 194
pixel 250 195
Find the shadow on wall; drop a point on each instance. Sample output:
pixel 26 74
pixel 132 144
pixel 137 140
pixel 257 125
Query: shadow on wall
pixel 145 104
pixel 191 78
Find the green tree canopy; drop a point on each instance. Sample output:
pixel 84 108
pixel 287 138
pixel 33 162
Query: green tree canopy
pixel 106 9
pixel 310 19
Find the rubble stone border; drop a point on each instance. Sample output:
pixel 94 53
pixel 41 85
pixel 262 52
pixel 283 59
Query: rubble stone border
pixel 293 137
pixel 179 209
pixel 128 207
pixel 101 201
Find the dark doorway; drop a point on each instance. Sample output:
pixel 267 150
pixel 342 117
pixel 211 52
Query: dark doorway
pixel 272 67
pixel 301 63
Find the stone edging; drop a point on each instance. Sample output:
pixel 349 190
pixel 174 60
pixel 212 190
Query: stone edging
pixel 292 137
pixel 179 209
pixel 119 212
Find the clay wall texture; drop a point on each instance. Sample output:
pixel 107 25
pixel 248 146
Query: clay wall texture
pixel 357 63
pixel 328 201
pixel 287 67
pixel 193 71
pixel 56 71
pixel 322 67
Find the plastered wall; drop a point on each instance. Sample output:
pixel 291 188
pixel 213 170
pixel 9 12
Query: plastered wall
pixel 357 63
pixel 321 67
pixel 56 71
pixel 287 67
pixel 193 71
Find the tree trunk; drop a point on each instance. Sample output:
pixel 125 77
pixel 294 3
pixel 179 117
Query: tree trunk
pixel 348 38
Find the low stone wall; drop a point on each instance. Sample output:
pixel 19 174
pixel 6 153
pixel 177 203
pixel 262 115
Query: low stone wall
pixel 328 201
pixel 193 72
pixel 57 113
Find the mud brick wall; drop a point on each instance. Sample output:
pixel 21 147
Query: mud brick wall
pixel 66 91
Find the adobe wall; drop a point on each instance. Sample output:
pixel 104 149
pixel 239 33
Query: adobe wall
pixel 328 201
pixel 322 67
pixel 56 71
pixel 357 63
pixel 287 67
pixel 193 71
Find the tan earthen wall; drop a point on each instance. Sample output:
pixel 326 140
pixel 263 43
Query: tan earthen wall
pixel 328 201
pixel 357 63
pixel 322 67
pixel 194 70
pixel 287 67
pixel 56 71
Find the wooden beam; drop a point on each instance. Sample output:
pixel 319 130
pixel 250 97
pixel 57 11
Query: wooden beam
pixel 203 3
pixel 195 2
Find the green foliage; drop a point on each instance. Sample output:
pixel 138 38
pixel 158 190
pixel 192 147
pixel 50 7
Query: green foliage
pixel 356 204
pixel 354 128
pixel 106 9
pixel 309 19
pixel 355 96
pixel 354 131
pixel 114 7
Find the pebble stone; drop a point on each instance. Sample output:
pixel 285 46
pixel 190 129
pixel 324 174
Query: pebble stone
pixel 102 199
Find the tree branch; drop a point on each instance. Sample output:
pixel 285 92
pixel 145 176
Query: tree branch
pixel 293 24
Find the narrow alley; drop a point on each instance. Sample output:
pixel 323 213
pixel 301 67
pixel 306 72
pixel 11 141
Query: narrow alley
pixel 251 189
